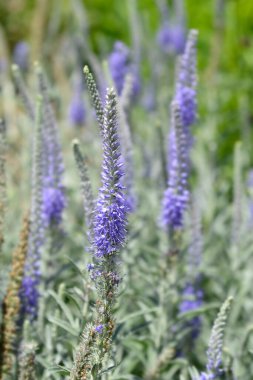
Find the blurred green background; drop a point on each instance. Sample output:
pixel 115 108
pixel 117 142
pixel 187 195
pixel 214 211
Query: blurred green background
pixel 225 49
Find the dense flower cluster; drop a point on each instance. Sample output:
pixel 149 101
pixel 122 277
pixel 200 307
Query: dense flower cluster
pixel 54 202
pixel 30 290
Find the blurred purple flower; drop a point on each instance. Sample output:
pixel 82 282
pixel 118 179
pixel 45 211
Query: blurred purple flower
pixel 21 55
pixel 174 206
pixel 54 204
pixel 171 38
pixel 77 110
pixel 53 195
pixel 120 65
pixel 192 300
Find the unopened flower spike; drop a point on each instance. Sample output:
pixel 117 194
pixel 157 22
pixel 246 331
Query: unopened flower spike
pixel 187 82
pixel 54 200
pixel 95 96
pixel 214 352
pixel 12 302
pixel 30 291
pixel 88 200
pixel 27 362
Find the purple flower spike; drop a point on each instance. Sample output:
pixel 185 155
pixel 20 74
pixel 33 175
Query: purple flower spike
pixel 31 280
pixel 111 209
pixel 53 190
pixel 176 197
pixel 186 82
